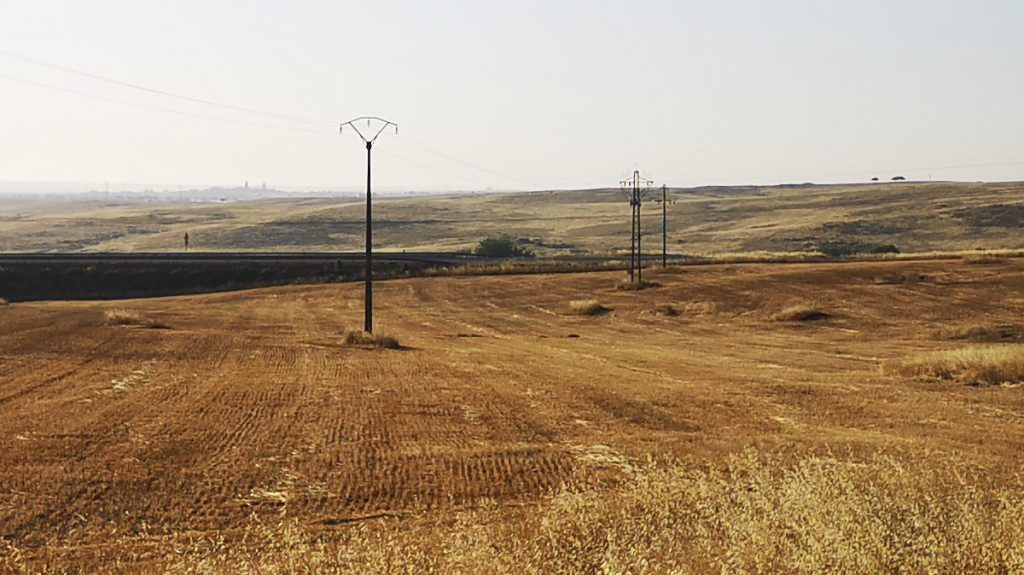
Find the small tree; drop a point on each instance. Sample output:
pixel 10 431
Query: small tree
pixel 501 247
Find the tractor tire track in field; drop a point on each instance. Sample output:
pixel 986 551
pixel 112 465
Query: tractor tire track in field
pixel 251 404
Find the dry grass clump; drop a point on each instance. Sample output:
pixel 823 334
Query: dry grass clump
pixel 976 365
pixel 537 266
pixel 626 285
pixel 587 307
pixel 984 333
pixel 962 254
pixel 132 319
pixel 755 515
pixel 373 340
pixel 969 256
pixel 800 313
pixel 763 256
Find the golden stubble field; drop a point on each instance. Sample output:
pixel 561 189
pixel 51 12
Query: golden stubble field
pixel 700 426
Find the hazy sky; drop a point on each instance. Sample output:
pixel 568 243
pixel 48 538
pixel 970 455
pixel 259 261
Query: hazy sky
pixel 519 94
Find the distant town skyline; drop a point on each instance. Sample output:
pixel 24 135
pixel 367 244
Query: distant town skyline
pixel 510 95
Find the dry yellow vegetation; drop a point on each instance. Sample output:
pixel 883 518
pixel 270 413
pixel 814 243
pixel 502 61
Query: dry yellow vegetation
pixel 375 339
pixel 800 312
pixel 976 365
pixel 507 438
pixel 754 515
pixel 131 318
pixel 742 223
pixel 982 333
pixel 587 307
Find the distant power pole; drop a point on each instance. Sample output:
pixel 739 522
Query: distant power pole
pixel 637 188
pixel 368 140
pixel 664 226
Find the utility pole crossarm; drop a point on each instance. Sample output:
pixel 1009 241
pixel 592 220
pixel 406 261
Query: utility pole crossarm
pixel 369 120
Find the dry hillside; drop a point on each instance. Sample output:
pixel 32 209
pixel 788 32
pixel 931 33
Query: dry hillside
pixel 915 217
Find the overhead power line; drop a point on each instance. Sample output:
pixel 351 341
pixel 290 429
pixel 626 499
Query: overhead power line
pixel 186 98
pixel 428 149
pixel 435 170
pixel 230 121
pixel 327 124
pixel 160 109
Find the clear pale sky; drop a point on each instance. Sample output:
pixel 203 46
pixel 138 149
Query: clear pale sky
pixel 523 94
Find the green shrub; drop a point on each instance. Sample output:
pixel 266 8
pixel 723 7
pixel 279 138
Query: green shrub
pixel 843 249
pixel 501 247
pixel 840 249
pixel 884 249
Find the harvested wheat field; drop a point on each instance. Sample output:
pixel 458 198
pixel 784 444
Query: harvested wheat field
pixel 510 433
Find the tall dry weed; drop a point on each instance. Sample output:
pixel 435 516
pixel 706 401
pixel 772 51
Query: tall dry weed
pixel 800 312
pixel 374 340
pixel 587 307
pixel 982 333
pixel 130 318
pixel 975 365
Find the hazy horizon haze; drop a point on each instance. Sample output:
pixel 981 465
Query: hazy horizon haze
pixel 514 95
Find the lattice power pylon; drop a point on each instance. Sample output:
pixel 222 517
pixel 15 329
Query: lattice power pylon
pixel 637 187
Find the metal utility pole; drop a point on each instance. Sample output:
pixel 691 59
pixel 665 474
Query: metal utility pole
pixel 637 188
pixel 368 140
pixel 664 226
